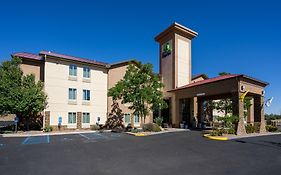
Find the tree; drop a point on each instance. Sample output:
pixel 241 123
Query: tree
pixel 247 105
pixel 141 88
pixel 224 73
pixel 115 118
pixel 224 106
pixel 20 94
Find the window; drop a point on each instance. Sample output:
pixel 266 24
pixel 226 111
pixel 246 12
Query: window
pixel 72 117
pixel 86 72
pixel 72 94
pixel 137 119
pixel 86 117
pixel 72 70
pixel 86 95
pixel 127 118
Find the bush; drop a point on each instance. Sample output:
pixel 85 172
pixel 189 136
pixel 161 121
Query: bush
pixel 250 129
pixel 257 126
pixel 217 132
pixel 95 127
pixel 271 128
pixel 136 130
pixel 129 127
pixel 159 121
pixel 229 121
pixel 231 131
pixel 151 127
pixel 48 129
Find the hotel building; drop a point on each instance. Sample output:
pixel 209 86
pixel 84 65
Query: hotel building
pixel 77 87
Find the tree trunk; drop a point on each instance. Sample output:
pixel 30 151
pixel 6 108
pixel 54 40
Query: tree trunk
pixel 27 121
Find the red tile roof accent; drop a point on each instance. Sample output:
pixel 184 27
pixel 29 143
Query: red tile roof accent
pixel 207 81
pixel 28 55
pixel 84 60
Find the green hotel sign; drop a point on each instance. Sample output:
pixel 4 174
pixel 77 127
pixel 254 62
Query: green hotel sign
pixel 167 49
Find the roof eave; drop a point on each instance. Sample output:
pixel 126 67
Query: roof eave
pixel 176 27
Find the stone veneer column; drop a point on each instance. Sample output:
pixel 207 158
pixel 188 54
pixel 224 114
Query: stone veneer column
pixel 47 118
pixel 259 112
pixel 200 111
pixel 238 110
pixel 251 112
pixel 175 115
pixel 79 120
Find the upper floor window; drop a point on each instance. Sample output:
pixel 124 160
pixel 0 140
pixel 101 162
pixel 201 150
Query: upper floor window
pixel 72 93
pixel 86 95
pixel 73 70
pixel 86 72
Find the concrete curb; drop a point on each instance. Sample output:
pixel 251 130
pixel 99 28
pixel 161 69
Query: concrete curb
pixel 224 138
pixel 220 138
pixel 50 133
pixel 143 134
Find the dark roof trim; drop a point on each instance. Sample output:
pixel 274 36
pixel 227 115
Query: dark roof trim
pixel 217 79
pixel 254 79
pixel 28 56
pixel 72 58
pixel 176 27
pixel 122 63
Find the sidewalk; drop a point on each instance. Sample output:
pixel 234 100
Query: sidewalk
pixel 41 133
pixel 232 137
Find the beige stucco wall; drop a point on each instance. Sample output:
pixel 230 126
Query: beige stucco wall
pixel 57 84
pixel 183 61
pixel 167 69
pixel 197 79
pixel 33 67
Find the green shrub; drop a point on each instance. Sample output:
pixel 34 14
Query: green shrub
pixel 217 132
pixel 136 130
pixel 257 126
pixel 95 127
pixel 250 129
pixel 229 121
pixel 231 131
pixel 48 129
pixel 151 127
pixel 271 128
pixel 159 121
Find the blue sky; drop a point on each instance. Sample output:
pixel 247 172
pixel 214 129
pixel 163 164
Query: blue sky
pixel 234 36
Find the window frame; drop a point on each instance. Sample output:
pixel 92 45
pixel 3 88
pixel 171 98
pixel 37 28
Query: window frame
pixel 72 120
pixel 88 120
pixel 72 70
pixel 136 117
pixel 87 95
pixel 88 72
pixel 127 115
pixel 74 90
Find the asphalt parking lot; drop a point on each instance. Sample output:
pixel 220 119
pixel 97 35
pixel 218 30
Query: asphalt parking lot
pixel 114 153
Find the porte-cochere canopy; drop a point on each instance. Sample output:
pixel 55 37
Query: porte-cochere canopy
pixel 231 86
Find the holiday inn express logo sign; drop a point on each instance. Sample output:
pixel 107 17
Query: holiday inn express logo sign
pixel 167 49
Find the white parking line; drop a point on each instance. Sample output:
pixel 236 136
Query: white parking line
pixel 25 140
pixel 84 136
